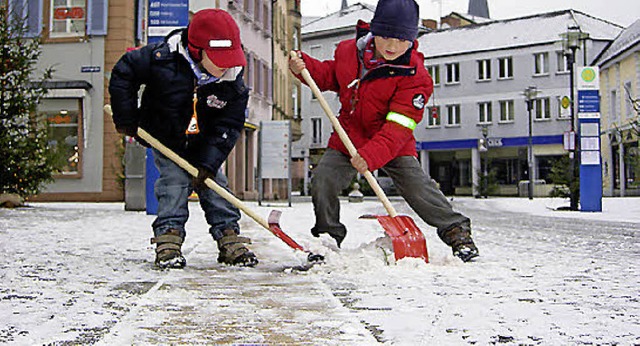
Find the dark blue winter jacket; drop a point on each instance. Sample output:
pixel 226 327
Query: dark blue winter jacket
pixel 166 105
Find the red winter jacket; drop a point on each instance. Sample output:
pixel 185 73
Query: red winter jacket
pixel 402 86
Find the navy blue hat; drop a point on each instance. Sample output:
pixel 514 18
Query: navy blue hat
pixel 397 19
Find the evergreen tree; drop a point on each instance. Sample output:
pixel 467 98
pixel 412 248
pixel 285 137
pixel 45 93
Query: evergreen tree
pixel 26 161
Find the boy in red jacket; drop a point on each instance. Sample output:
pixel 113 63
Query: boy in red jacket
pixel 383 89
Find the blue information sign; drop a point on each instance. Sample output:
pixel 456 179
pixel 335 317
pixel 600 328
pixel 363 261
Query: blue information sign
pixel 588 101
pixel 166 16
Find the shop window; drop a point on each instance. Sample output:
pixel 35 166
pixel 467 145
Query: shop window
pixel 66 19
pixel 63 117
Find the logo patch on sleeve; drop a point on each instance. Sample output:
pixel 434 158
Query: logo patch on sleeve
pixel 418 101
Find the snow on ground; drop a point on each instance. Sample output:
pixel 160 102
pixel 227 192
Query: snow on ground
pixel 81 273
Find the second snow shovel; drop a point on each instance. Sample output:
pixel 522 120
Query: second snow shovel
pixel 407 239
pixel 272 225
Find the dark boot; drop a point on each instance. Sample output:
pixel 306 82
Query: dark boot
pixel 459 238
pixel 233 252
pixel 168 254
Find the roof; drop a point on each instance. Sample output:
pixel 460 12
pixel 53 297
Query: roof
pixel 627 39
pixel 341 19
pixel 523 31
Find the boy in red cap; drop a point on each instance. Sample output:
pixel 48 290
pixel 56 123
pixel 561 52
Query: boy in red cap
pixel 383 89
pixel 194 102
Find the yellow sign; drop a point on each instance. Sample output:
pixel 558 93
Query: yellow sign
pixel 588 75
pixel 565 102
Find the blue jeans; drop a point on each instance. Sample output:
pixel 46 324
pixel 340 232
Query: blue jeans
pixel 173 188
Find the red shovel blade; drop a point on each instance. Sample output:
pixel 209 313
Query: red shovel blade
pixel 407 239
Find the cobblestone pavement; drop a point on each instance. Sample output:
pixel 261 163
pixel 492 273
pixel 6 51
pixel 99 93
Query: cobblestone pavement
pixel 82 274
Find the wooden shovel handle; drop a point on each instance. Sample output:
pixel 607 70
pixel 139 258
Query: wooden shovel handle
pixel 194 172
pixel 345 140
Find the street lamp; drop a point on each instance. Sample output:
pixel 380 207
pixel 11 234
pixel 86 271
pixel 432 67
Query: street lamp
pixel 485 147
pixel 570 43
pixel 530 94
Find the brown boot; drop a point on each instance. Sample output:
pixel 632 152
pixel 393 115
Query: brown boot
pixel 233 252
pixel 168 254
pixel 459 238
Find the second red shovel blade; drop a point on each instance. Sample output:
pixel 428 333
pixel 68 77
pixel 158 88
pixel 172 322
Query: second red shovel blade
pixel 407 239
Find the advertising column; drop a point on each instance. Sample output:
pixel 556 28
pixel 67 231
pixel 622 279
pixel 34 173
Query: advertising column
pixel 589 132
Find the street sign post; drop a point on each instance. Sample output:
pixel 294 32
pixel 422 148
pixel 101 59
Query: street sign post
pixel 589 139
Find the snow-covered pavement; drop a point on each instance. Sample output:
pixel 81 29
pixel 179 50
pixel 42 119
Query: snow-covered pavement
pixel 80 273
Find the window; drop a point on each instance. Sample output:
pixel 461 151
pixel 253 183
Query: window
pixel 63 117
pixel 613 104
pixel 541 64
pixel 316 125
pixel 506 111
pixel 434 71
pixel 453 73
pixel 453 115
pixel 627 101
pixel 563 64
pixel 563 113
pixel 433 119
pixel 484 112
pixel 541 108
pixel 484 70
pixel 505 68
pixel 257 76
pixel 248 76
pixel 66 18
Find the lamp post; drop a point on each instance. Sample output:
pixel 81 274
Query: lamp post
pixel 530 94
pixel 570 43
pixel 485 173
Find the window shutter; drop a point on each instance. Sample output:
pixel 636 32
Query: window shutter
pixel 270 85
pixel 140 20
pixel 97 17
pixel 32 11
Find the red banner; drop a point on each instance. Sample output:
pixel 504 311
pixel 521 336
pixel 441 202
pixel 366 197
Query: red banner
pixel 62 13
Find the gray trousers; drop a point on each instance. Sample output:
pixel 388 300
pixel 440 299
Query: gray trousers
pixel 335 172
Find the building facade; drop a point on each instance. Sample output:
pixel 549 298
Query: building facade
pixel 75 43
pixel 619 108
pixel 480 71
pixel 82 40
pixel 319 39
pixel 477 121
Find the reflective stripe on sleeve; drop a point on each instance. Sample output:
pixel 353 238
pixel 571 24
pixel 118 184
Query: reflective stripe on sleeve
pixel 402 120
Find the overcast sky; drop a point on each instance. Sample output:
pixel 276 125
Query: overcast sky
pixel 623 12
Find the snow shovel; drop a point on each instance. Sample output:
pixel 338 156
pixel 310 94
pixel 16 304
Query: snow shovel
pixel 407 239
pixel 272 225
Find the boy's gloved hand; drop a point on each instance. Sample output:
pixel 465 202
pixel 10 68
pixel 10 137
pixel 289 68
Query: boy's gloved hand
pixel 131 130
pixel 203 173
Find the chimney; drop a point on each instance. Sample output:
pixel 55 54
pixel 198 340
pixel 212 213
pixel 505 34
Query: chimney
pixel 478 8
pixel 430 24
pixel 450 22
pixel 344 6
